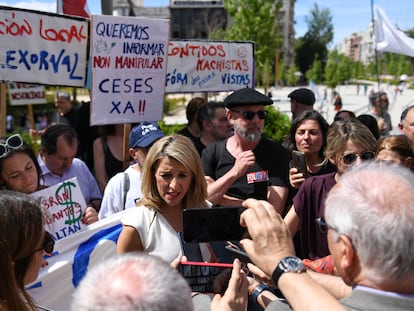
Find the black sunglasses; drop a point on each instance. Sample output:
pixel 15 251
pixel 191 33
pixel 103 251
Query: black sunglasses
pixel 48 244
pixel 323 225
pixel 249 115
pixel 364 156
pixel 13 142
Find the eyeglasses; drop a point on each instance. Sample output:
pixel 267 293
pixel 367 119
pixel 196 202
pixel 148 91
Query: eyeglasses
pixel 324 226
pixel 249 115
pixel 13 142
pixel 364 156
pixel 48 244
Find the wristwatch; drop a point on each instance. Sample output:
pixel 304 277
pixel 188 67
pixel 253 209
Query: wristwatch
pixel 256 292
pixel 288 264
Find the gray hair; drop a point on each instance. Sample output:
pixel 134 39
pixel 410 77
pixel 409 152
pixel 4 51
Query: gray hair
pixel 373 205
pixel 65 95
pixel 133 282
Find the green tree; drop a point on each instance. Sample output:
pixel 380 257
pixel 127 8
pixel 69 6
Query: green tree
pixel 254 20
pixel 313 45
pixel 331 70
pixel 316 72
pixel 292 79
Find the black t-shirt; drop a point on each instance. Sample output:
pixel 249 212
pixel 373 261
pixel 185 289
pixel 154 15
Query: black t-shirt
pixel 270 169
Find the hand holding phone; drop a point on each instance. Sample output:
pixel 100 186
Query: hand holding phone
pixel 204 277
pixel 237 252
pixel 299 161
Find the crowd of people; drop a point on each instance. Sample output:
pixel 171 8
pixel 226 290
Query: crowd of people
pixel 338 223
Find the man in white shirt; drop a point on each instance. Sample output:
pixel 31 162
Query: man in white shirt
pixel 124 189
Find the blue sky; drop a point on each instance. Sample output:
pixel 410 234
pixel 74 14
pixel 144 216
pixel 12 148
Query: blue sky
pixel 348 15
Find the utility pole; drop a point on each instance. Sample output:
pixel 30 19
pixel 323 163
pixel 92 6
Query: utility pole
pixel 107 7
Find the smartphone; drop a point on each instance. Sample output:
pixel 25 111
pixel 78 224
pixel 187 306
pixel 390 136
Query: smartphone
pixel 213 224
pixel 237 252
pixel 299 161
pixel 205 277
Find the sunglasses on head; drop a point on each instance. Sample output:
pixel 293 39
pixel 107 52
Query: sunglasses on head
pixel 364 156
pixel 13 142
pixel 249 115
pixel 48 244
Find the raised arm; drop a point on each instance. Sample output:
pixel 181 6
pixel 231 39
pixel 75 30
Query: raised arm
pixel 217 188
pixel 270 242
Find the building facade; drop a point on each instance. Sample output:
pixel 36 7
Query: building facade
pixel 359 46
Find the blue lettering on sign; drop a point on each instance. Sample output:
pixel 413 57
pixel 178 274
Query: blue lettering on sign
pixel 176 78
pixel 116 108
pixel 85 249
pixel 235 79
pixel 117 85
pixel 43 61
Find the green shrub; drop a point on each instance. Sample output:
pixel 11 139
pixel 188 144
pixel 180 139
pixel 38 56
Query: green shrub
pixel 170 128
pixel 277 124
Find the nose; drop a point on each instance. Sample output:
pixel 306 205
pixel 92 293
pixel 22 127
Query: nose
pixel 256 118
pixel 174 183
pixel 306 135
pixel 358 160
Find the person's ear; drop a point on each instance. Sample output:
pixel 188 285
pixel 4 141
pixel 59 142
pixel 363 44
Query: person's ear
pixel 131 152
pixel 348 259
pixel 207 125
pixel 332 160
pixel 401 127
pixel 43 150
pixel 408 162
pixel 229 115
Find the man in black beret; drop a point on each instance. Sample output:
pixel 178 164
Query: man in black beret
pixel 301 100
pixel 246 165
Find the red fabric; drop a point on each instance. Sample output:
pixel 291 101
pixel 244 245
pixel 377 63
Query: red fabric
pixel 322 265
pixel 75 7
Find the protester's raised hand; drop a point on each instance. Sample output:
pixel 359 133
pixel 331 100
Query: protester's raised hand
pixel 244 160
pixel 235 296
pixel 270 238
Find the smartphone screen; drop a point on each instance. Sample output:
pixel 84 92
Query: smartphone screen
pixel 204 277
pixel 212 224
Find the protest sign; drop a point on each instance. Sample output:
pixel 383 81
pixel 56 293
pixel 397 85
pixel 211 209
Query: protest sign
pixel 72 257
pixel 207 66
pixel 26 94
pixel 65 204
pixel 128 64
pixel 43 48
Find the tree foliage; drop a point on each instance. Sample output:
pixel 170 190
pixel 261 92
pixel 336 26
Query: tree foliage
pixel 277 124
pixel 314 44
pixel 316 72
pixel 254 20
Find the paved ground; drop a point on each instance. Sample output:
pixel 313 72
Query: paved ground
pixel 357 103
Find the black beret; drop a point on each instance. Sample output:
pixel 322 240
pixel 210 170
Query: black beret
pixel 303 96
pixel 246 97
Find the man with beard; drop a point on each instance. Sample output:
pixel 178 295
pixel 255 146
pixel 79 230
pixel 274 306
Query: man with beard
pixel 246 165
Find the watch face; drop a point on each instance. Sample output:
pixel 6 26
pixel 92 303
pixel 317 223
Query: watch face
pixel 292 263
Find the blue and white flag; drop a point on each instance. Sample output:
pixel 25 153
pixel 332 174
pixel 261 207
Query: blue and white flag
pixel 72 257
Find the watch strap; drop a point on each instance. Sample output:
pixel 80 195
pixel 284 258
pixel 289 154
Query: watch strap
pixel 257 291
pixel 280 269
